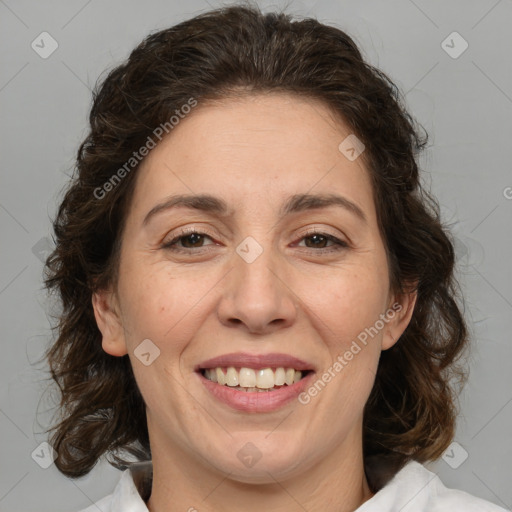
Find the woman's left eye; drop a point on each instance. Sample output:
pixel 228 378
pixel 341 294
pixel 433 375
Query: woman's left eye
pixel 319 240
pixel 186 242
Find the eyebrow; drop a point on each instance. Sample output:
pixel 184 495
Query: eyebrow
pixel 218 207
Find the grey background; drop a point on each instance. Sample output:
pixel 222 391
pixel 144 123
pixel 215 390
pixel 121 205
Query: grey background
pixel 465 103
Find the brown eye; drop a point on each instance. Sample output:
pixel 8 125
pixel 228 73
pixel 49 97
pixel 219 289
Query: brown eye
pixel 316 241
pixel 187 241
pixel 321 240
pixel 192 240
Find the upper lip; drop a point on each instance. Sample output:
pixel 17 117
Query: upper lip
pixel 255 361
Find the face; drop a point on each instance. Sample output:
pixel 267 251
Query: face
pixel 260 276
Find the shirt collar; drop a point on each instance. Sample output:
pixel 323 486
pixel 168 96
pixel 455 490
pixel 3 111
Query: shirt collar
pixel 133 488
pixel 409 490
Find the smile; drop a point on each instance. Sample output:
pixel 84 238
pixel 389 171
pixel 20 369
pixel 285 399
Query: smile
pixel 252 399
pixel 252 380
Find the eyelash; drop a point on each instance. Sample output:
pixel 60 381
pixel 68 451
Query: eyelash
pixel 338 244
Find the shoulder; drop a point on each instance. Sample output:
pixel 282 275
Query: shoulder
pixel 416 489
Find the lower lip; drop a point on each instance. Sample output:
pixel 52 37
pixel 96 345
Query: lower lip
pixel 265 401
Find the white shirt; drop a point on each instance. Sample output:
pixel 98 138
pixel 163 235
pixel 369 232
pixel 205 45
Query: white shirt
pixel 413 489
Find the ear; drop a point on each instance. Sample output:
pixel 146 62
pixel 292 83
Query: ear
pixel 106 312
pixel 399 313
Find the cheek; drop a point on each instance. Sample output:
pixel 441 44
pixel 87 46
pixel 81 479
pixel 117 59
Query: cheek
pixel 347 302
pixel 161 305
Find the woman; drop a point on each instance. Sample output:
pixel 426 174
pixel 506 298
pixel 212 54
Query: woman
pixel 258 296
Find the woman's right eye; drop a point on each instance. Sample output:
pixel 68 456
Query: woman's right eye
pixel 188 240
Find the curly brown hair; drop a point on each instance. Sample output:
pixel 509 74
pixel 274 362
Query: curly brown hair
pixel 413 405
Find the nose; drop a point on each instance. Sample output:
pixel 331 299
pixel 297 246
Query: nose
pixel 258 296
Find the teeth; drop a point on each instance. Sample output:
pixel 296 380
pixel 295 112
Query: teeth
pixel 231 377
pixel 290 374
pixel 221 378
pixel 265 378
pixel 250 380
pixel 280 377
pixel 251 390
pixel 247 378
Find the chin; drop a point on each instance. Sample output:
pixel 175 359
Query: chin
pixel 259 463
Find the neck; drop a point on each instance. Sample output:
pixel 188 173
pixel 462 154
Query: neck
pixel 336 483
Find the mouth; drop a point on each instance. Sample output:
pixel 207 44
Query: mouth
pixel 248 397
pixel 251 380
pixel 255 383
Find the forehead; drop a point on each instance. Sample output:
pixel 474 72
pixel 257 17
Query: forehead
pixel 251 149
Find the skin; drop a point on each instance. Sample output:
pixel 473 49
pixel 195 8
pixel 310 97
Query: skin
pixel 310 302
